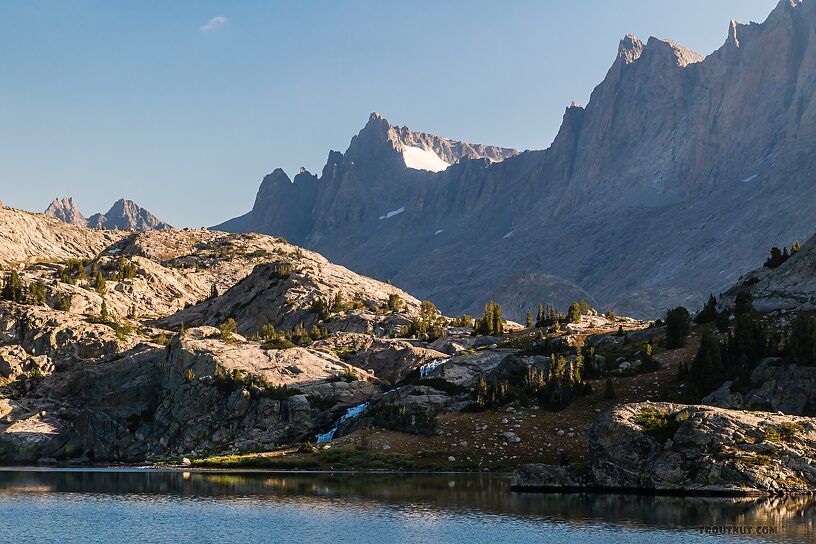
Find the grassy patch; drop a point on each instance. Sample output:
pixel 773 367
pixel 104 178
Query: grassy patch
pixel 658 424
pixel 337 459
pixel 790 430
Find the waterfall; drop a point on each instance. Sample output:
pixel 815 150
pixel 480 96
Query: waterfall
pixel 429 367
pixel 352 412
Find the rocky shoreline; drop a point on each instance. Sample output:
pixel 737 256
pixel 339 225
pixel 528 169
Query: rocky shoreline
pixel 672 449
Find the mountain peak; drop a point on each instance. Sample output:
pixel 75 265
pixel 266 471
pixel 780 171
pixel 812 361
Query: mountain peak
pixel 65 209
pixel 673 51
pixel 630 49
pixel 126 214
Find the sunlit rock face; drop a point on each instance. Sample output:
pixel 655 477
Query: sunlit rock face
pixel 679 173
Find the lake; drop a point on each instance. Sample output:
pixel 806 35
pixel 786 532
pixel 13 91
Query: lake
pixel 146 506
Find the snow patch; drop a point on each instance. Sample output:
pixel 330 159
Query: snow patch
pixel 389 215
pixel 423 159
pixel 509 234
pixel 114 251
pixel 750 178
pixel 440 231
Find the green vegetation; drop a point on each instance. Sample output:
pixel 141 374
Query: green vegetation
pixel 281 271
pixel 429 326
pixel 554 387
pixel 257 385
pixel 272 339
pixel 126 269
pixel 395 303
pixel 733 359
pixel 574 314
pixel 465 321
pixel 677 327
pixel 348 375
pixel 492 323
pixel 708 313
pixel 658 424
pixel 723 321
pixel 778 257
pixel 63 301
pixel 15 290
pixel 790 430
pixel 227 329
pixel 399 418
pixel 548 318
pixel 73 271
pixel 743 304
pixel 802 340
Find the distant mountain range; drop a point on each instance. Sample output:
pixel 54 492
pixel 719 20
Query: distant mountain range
pixel 124 214
pixel 680 172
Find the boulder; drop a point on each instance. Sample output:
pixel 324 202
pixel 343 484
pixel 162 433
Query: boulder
pixel 671 448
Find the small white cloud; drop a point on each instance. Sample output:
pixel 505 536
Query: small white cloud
pixel 214 23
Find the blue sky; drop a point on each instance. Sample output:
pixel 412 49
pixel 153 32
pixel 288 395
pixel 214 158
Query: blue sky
pixel 184 106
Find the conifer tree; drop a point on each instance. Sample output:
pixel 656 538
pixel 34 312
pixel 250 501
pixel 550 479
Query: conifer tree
pixel 709 311
pixel 99 282
pixel 677 327
pixel 529 319
pixel 574 313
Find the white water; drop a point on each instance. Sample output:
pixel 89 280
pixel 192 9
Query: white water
pixel 430 366
pixel 352 412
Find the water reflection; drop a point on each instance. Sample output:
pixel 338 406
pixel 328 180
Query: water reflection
pixel 422 497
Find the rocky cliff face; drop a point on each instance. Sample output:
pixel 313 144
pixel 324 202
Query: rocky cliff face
pixel 680 172
pixel 790 286
pixel 123 215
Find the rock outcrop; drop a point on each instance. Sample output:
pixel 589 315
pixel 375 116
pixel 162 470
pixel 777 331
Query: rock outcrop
pixel 28 237
pixel 776 385
pixel 670 448
pixel 680 172
pixel 789 286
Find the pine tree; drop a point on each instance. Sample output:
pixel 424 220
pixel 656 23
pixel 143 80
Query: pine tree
pixel 540 318
pixel 529 319
pixel 103 311
pixel 574 313
pixel 214 291
pixel 677 327
pixel 707 368
pixel 498 321
pixel 709 311
pixel 338 302
pixel 99 281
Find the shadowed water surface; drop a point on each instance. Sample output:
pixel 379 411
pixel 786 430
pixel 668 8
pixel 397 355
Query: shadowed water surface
pixel 157 506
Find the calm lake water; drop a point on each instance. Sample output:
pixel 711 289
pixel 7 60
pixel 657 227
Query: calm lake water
pixel 114 506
